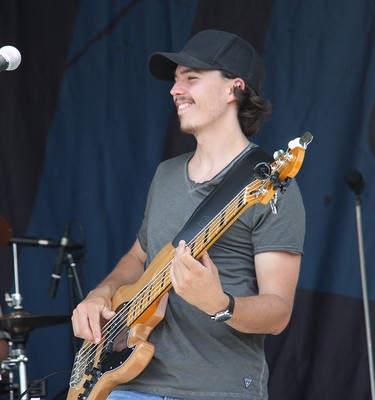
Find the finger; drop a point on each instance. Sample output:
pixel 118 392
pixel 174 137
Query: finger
pixel 94 322
pixel 181 248
pixel 108 313
pixel 81 327
pixel 207 261
pixel 181 257
pixel 175 272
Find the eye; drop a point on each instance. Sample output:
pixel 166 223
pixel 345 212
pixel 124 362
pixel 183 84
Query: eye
pixel 192 77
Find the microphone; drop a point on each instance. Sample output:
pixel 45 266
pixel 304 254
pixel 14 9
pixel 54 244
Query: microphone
pixel 56 274
pixel 10 58
pixel 355 181
pixel 42 242
pixel 31 241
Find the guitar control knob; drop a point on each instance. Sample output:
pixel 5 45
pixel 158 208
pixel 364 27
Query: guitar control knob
pixel 88 384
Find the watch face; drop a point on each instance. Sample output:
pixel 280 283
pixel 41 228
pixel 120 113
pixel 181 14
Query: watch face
pixel 222 316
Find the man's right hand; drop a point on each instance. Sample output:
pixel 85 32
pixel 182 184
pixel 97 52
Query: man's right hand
pixel 95 310
pixel 89 315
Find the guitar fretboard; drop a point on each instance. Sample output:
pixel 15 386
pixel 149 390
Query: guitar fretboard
pixel 201 242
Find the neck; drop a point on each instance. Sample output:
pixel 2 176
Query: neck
pixel 215 150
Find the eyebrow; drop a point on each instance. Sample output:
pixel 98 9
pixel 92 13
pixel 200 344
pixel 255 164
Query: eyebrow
pixel 188 71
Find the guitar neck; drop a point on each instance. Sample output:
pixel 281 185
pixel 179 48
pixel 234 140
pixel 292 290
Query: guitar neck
pixel 161 282
pixel 224 219
pixel 259 190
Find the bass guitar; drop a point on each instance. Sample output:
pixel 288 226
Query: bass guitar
pixel 124 351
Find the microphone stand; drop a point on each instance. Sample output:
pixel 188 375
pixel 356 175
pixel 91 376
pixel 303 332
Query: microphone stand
pixel 17 357
pixel 68 256
pixel 356 183
pixel 75 289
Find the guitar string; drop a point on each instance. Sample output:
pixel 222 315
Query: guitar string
pixel 213 222
pixel 217 220
pixel 207 228
pixel 123 314
pixel 233 205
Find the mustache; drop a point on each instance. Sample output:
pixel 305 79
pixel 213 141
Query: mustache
pixel 182 99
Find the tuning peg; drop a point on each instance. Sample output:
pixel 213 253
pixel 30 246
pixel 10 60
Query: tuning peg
pixel 278 154
pixel 306 139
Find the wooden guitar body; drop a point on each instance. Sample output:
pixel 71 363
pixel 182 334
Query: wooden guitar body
pixel 124 352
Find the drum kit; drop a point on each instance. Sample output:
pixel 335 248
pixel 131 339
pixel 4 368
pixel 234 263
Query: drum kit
pixel 16 326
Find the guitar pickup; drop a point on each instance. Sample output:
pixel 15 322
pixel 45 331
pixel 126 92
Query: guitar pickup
pixel 96 373
pixel 89 368
pixel 109 347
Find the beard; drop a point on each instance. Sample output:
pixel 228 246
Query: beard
pixel 187 127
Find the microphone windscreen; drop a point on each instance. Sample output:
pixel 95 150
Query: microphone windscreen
pixel 12 55
pixel 355 181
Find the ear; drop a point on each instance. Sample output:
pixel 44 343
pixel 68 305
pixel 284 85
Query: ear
pixel 235 84
pixel 239 83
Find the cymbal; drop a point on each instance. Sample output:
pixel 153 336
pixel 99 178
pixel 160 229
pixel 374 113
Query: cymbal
pixel 21 322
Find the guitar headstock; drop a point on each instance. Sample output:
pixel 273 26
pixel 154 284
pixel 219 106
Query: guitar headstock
pixel 286 166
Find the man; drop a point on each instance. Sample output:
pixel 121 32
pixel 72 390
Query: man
pixel 249 275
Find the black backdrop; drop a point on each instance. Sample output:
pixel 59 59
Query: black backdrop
pixel 83 126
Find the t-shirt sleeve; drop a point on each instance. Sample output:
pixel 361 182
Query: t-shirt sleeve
pixel 284 231
pixel 142 233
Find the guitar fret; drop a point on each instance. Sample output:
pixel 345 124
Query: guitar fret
pixel 164 279
pixel 142 298
pixel 149 292
pixel 198 245
pixel 192 248
pixel 239 202
pixel 128 316
pixel 222 218
pixel 134 310
pixel 206 235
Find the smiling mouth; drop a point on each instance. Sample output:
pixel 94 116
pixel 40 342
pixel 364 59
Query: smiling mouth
pixel 183 106
pixel 182 103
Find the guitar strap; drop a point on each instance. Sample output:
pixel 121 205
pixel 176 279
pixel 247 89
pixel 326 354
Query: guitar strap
pixel 241 173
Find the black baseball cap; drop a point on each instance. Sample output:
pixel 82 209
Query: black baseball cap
pixel 212 50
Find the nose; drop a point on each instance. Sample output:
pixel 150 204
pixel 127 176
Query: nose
pixel 177 89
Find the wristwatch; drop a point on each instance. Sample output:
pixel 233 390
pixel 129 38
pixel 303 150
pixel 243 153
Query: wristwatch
pixel 226 314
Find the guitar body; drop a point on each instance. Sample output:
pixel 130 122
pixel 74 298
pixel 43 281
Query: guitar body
pixel 98 369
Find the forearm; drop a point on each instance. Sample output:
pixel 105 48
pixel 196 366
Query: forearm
pixel 270 311
pixel 127 271
pixel 88 314
pixel 266 313
pixel 198 283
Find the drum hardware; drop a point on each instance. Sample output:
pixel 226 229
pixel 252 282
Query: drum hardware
pixel 17 325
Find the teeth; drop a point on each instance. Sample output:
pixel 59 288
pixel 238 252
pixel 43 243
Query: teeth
pixel 182 106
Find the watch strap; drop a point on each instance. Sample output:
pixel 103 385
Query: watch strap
pixel 226 314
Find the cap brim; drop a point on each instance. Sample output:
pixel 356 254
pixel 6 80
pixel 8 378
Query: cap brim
pixel 163 65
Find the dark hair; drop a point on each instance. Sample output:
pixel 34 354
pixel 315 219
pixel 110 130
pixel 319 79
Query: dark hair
pixel 253 109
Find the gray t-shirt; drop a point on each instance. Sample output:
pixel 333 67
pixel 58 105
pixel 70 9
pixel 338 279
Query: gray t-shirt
pixel 195 357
